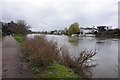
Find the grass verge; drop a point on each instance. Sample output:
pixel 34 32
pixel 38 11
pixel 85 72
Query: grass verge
pixel 60 71
pixel 20 39
pixel 56 70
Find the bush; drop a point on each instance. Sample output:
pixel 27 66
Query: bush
pixel 81 64
pixel 41 51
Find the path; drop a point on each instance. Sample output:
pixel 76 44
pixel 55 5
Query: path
pixel 14 64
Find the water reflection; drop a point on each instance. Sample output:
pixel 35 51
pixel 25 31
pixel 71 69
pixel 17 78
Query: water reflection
pixel 73 40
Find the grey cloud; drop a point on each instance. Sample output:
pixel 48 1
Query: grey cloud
pixel 58 14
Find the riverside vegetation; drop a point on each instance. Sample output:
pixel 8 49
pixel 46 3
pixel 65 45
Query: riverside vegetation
pixel 42 58
pixel 114 33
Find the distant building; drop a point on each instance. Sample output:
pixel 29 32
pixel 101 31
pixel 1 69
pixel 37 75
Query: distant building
pixel 81 30
pixel 87 30
pixel 103 28
pixel 57 32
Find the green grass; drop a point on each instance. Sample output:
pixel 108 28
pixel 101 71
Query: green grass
pixel 56 70
pixel 36 70
pixel 60 71
pixel 20 39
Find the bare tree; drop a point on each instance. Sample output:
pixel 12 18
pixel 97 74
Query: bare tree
pixel 22 27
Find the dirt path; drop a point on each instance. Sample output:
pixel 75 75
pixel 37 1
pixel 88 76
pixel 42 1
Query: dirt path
pixel 14 65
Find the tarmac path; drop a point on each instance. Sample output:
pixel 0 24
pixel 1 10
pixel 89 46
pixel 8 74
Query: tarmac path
pixel 14 64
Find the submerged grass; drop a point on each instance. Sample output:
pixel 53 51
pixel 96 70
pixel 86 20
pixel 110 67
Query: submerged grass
pixel 73 39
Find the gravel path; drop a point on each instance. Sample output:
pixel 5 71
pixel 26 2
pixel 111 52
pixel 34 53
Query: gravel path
pixel 14 64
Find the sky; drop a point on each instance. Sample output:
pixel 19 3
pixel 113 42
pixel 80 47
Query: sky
pixel 47 15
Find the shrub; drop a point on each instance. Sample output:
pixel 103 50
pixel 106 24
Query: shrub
pixel 40 51
pixel 81 64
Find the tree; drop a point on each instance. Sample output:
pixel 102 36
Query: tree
pixel 74 29
pixel 20 27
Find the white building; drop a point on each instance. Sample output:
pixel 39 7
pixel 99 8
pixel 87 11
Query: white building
pixel 87 30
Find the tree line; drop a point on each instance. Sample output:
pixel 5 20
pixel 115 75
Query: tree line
pixel 20 27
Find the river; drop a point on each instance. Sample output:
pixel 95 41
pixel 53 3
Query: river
pixel 106 57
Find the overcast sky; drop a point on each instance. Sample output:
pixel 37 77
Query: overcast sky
pixel 58 14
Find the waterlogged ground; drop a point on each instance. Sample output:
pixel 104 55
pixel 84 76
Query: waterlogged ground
pixel 107 54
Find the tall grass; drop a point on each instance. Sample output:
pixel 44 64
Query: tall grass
pixel 42 52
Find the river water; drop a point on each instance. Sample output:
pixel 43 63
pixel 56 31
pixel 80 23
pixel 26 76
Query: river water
pixel 106 57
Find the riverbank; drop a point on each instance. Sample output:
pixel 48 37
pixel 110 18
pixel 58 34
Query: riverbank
pixel 44 65
pixel 42 53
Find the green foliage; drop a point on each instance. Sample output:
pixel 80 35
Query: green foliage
pixel 20 39
pixel 55 70
pixel 73 40
pixel 74 29
pixel 36 70
pixel 17 28
pixel 60 71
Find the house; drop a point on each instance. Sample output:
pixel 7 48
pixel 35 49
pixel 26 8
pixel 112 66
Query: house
pixel 88 30
pixel 81 30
